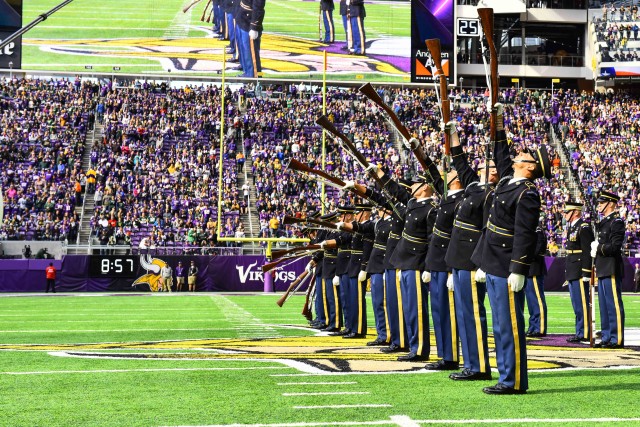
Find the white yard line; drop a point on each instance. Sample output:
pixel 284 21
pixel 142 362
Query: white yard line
pixel 404 421
pixel 238 316
pixel 179 27
pixel 321 383
pixel 363 405
pixel 326 393
pixel 119 371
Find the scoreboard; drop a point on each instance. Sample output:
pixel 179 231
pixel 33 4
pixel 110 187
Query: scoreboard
pixel 10 22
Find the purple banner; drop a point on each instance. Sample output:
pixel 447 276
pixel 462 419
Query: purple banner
pixel 215 273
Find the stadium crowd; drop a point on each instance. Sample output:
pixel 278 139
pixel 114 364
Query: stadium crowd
pixel 614 29
pixel 153 173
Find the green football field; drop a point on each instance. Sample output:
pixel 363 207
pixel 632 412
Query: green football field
pixel 149 36
pixel 212 359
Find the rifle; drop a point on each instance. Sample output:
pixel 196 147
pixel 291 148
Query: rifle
pixel 190 5
pixel 353 151
pixel 433 45
pixel 308 299
pixel 283 252
pixel 368 91
pixel 325 224
pixel 291 287
pixel 486 21
pixel 273 264
pixel 204 12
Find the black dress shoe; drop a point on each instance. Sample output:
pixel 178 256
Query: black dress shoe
pixel 233 60
pixel 391 349
pixel 443 365
pixel 574 339
pixel 332 330
pixel 354 335
pixel 614 345
pixel 376 342
pixel 602 344
pixel 502 389
pixel 535 334
pixel 340 333
pixel 412 357
pixel 469 375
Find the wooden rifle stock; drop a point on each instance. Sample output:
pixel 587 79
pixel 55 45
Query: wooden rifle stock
pixel 433 45
pixel 306 310
pixel 293 284
pixel 281 253
pixel 288 220
pixel 204 12
pixel 190 5
pixel 486 21
pixel 271 265
pixel 368 91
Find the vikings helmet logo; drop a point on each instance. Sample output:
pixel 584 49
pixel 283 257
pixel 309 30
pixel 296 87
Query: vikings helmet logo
pixel 153 267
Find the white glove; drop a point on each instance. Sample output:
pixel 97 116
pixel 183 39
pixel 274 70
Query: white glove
pixel 426 276
pixel 336 281
pixel 348 185
pixel 450 282
pixel 253 34
pixel 348 2
pixel 411 144
pixel 372 168
pixel 594 248
pixel 340 225
pixel 309 267
pixel 323 244
pixel 565 284
pixel 362 276
pixel 481 276
pixel 586 280
pixel 451 127
pixel 516 281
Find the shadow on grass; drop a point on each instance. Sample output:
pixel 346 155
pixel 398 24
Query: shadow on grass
pixel 602 381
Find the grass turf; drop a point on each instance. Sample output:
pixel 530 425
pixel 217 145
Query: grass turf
pixel 149 19
pixel 60 391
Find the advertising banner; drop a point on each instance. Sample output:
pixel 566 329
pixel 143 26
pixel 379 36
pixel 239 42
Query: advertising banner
pixel 10 22
pixel 432 19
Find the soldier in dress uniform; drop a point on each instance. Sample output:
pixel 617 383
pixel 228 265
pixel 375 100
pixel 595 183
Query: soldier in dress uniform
pixel 578 268
pixel 316 262
pixel 332 307
pixel 471 218
pixel 326 8
pixel 607 250
pixel 249 16
pixel 341 280
pixel 409 257
pixel 534 288
pixel 507 251
pixel 361 246
pixel 356 16
pixel 346 23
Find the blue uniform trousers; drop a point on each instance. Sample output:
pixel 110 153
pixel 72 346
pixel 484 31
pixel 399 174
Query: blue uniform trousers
pixel 378 300
pixel 345 301
pixel 329 34
pixel 507 309
pixel 395 309
pixel 611 309
pixel 536 304
pixel 580 298
pixel 443 313
pixel 249 53
pixel 231 31
pixel 357 306
pixel 357 35
pixel 217 20
pixel 321 308
pixel 415 301
pixel 346 23
pixel 471 316
pixel 333 304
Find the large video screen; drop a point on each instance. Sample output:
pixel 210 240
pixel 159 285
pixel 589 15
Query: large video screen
pixel 151 36
pixel 10 22
pixel 432 19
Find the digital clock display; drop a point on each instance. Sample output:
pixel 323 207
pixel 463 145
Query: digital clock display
pixel 469 27
pixel 113 266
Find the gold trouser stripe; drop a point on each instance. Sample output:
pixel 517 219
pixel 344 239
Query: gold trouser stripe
pixel 226 26
pixel 337 300
pixel 361 31
pixel 387 327
pixel 324 302
pixel 400 309
pixel 419 307
pixel 616 302
pixel 476 318
pixel 586 313
pixel 516 337
pixel 454 326
pixel 330 25
pixel 543 328
pixel 253 57
pixel 360 328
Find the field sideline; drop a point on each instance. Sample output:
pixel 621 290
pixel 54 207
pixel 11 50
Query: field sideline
pixel 213 359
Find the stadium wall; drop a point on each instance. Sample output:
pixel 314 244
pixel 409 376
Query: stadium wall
pixel 216 274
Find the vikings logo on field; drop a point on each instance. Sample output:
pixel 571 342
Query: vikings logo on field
pixel 322 354
pixel 153 267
